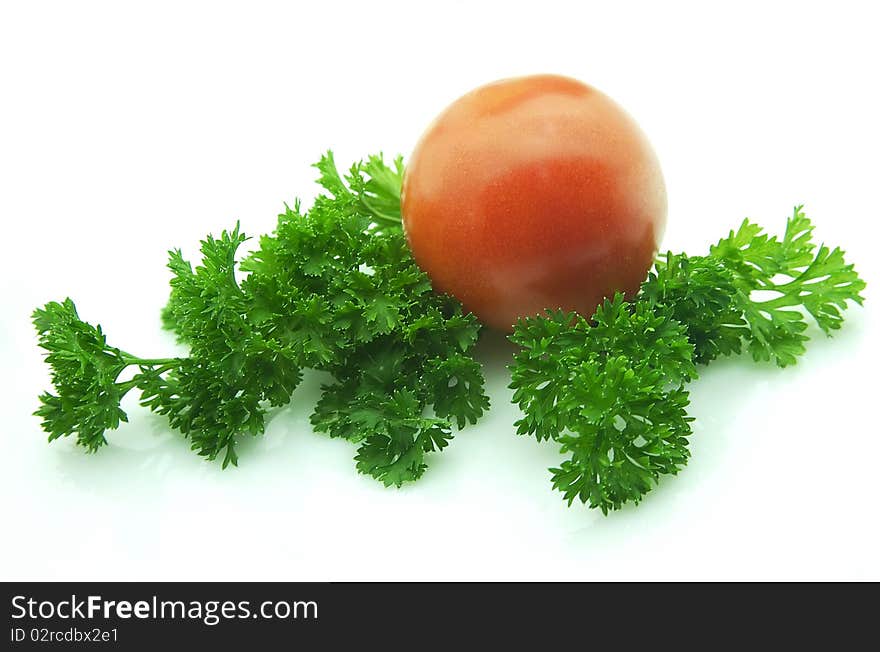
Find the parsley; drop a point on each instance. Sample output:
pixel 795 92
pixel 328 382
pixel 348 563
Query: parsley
pixel 722 298
pixel 612 392
pixel 333 289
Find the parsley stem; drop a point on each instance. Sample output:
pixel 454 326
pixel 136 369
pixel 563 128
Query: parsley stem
pixel 133 359
pixel 387 219
pixel 783 301
pixel 380 216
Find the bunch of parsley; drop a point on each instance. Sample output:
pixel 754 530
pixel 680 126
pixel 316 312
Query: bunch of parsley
pixel 335 289
pixel 612 391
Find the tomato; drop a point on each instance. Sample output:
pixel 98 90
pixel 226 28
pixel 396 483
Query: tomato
pixel 533 193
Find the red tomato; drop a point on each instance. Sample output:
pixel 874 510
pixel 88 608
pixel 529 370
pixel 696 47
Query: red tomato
pixel 533 193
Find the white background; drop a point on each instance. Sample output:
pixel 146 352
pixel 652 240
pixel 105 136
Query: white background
pixel 127 131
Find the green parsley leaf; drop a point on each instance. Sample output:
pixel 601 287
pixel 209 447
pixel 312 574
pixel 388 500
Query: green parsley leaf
pixel 797 275
pixel 611 391
pixel 334 289
pixel 756 289
pixel 85 373
pixel 611 394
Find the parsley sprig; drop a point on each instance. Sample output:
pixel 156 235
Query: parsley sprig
pixel 612 392
pixel 334 289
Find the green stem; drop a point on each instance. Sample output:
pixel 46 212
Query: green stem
pixel 784 301
pixel 389 220
pixel 128 385
pixel 799 279
pixel 166 364
pixel 133 359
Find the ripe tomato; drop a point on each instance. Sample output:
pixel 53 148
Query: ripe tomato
pixel 533 193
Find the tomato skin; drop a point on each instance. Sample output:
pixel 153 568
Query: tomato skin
pixel 533 193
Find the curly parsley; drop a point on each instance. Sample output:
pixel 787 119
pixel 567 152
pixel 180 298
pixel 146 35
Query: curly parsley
pixel 334 288
pixel 612 392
